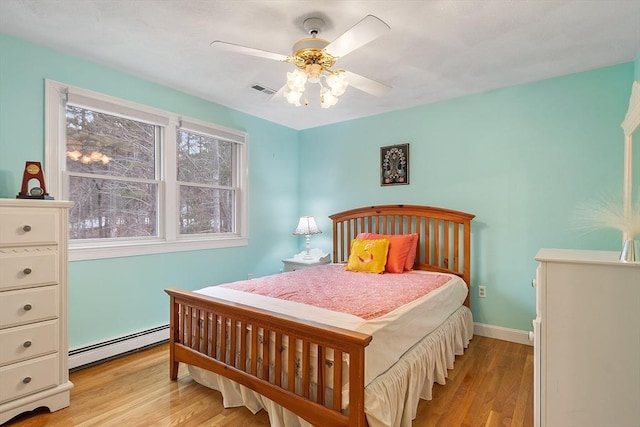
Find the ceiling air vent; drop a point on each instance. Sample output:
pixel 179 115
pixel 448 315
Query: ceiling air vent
pixel 263 89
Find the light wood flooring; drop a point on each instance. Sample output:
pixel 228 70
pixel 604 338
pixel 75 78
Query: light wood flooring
pixel 491 385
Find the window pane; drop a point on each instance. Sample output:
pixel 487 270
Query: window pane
pixel 109 145
pixel 206 210
pixel 204 159
pixel 110 209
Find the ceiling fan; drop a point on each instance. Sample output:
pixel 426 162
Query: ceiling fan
pixel 314 58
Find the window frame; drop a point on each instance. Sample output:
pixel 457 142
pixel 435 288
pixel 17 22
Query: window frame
pixel 169 238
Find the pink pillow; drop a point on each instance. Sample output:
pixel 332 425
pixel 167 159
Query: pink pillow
pixel 399 249
pixel 411 256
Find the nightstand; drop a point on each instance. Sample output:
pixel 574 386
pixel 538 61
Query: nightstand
pixel 293 264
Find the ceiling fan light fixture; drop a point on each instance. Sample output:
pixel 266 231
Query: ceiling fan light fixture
pixel 314 58
pixel 336 85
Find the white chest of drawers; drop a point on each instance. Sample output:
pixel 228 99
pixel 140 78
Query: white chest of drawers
pixel 586 340
pixel 33 306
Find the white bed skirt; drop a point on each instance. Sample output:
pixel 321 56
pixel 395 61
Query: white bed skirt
pixel 391 399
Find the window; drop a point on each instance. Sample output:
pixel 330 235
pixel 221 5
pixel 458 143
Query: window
pixel 142 180
pixel 112 175
pixel 205 183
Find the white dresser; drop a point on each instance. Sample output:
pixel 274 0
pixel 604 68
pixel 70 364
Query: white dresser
pixel 586 340
pixel 33 306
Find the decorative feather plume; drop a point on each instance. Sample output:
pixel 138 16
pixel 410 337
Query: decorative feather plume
pixel 607 212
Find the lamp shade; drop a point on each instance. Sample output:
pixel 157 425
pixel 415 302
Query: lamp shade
pixel 306 226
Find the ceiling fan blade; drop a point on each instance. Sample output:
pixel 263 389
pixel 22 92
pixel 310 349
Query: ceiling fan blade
pixel 236 48
pixel 368 29
pixel 364 84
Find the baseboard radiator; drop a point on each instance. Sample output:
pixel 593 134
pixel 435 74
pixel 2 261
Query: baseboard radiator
pixel 91 354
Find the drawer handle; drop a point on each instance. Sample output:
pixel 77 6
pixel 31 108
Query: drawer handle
pixel 26 228
pixel 27 344
pixel 26 380
pixel 27 307
pixel 27 271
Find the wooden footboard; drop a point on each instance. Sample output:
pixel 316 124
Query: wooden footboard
pixel 261 349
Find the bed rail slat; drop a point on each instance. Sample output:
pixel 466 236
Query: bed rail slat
pixel 436 243
pixel 291 364
pixel 266 353
pixel 456 247
pixel 243 345
pixel 278 360
pixel 304 368
pixel 254 351
pixel 445 256
pixel 337 379
pixel 320 372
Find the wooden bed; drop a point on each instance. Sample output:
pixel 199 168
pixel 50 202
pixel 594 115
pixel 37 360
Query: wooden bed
pixel 233 351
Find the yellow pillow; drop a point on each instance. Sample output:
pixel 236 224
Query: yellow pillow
pixel 368 255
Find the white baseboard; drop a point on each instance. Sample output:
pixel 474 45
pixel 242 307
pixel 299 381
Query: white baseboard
pixel 115 347
pixel 505 334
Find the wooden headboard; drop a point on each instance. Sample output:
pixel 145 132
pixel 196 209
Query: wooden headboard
pixel 444 243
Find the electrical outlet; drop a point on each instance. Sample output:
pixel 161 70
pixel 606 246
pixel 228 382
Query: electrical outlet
pixel 250 276
pixel 482 291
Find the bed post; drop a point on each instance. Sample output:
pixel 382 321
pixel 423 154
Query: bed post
pixel 357 417
pixel 173 331
pixel 466 272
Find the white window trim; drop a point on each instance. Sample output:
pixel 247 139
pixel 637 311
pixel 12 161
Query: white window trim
pixel 56 94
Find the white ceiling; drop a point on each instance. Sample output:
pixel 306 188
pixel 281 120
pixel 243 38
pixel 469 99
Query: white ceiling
pixel 435 50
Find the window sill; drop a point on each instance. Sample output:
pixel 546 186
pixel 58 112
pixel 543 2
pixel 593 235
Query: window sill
pixel 83 252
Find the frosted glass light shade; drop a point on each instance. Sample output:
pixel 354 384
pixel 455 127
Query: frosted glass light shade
pixel 296 80
pixel 307 226
pixel 293 97
pixel 338 84
pixel 327 99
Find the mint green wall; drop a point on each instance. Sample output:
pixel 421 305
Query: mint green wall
pixel 521 159
pixel 114 297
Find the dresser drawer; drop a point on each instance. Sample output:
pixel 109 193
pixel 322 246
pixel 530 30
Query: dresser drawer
pixel 28 305
pixel 28 341
pixel 28 269
pixel 22 226
pixel 27 377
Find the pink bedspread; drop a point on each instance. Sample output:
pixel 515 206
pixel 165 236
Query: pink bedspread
pixel 365 295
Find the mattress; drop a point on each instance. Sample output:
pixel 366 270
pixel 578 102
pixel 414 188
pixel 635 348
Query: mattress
pixel 393 333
